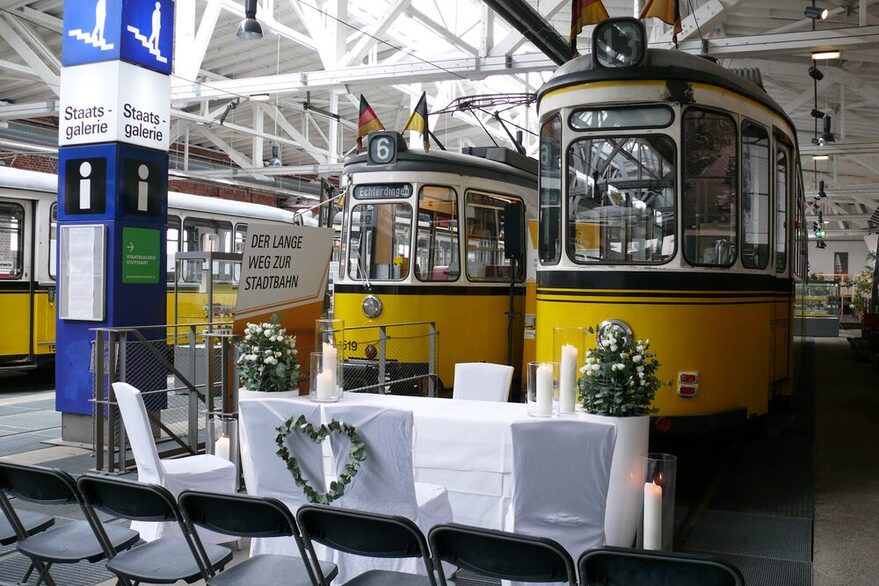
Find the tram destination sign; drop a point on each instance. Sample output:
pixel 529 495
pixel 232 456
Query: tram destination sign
pixel 383 191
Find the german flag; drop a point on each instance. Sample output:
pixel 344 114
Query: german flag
pixel 667 11
pixel 585 12
pixel 367 122
pixel 418 121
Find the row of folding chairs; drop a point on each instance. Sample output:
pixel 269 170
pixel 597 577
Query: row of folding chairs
pixel 489 553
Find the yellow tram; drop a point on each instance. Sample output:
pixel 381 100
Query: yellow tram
pixel 671 201
pixel 423 239
pixel 28 220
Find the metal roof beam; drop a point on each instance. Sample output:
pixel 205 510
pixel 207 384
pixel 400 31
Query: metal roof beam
pixel 368 40
pixel 799 42
pixel 841 148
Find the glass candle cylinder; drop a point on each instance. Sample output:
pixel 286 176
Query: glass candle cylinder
pixel 329 331
pixel 326 377
pixel 541 386
pixel 656 530
pixel 569 351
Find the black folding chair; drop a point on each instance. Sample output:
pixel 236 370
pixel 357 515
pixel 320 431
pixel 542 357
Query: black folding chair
pixel 366 534
pixel 617 565
pixel 500 555
pixel 251 516
pixel 31 523
pixel 161 561
pixel 62 544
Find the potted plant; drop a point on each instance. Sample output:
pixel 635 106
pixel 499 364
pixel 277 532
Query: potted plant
pixel 267 359
pixel 617 385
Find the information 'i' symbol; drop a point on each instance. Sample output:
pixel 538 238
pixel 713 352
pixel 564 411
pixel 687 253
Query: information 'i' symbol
pixel 143 188
pixel 85 186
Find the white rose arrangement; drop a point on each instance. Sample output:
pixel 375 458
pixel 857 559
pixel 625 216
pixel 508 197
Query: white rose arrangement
pixel 619 379
pixel 267 358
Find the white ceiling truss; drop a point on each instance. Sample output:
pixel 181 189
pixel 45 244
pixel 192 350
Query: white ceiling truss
pixel 318 56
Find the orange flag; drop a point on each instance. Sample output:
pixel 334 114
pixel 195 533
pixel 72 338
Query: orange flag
pixel 667 11
pixel 367 122
pixel 585 12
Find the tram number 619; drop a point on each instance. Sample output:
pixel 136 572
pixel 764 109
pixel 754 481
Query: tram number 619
pixel 350 346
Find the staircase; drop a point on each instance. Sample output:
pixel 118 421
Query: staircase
pixel 89 39
pixel 146 44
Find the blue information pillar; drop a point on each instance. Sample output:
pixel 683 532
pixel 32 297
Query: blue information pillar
pixel 112 185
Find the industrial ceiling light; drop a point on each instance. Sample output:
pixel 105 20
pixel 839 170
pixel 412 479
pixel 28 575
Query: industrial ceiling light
pixel 275 161
pixel 821 192
pixel 267 97
pixel 825 55
pixel 816 12
pixel 820 157
pixel 815 73
pixel 815 113
pixel 826 136
pixel 249 27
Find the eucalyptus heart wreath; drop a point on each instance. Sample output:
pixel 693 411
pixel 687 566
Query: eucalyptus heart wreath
pixel 356 455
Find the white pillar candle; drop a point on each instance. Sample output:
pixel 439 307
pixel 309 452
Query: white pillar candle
pixel 325 384
pixel 330 354
pixel 567 378
pixel 652 516
pixel 544 389
pixel 221 447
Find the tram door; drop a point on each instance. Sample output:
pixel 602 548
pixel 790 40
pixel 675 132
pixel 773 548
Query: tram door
pixel 16 278
pixel 782 306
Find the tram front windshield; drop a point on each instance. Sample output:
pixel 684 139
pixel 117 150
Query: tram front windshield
pixel 621 199
pixel 379 244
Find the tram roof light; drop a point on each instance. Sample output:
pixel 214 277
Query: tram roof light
pixel 819 55
pixel 817 13
pixel 815 73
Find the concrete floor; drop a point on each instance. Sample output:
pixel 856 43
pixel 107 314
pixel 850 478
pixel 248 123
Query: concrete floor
pixel 846 541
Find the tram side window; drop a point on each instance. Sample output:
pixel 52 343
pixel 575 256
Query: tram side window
pixel 550 214
pixel 53 240
pixel 781 183
pixel 485 237
pixel 203 235
pixel 172 238
pixel 755 196
pixel 11 240
pixel 437 257
pixel 240 238
pixel 380 241
pixel 710 188
pixel 621 200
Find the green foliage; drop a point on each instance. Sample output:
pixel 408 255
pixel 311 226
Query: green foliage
pixel 863 286
pixel 356 456
pixel 267 358
pixel 618 379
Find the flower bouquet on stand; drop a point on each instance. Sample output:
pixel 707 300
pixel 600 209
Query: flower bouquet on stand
pixel 617 385
pixel 267 358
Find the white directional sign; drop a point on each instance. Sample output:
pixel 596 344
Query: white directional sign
pixel 284 267
pixel 114 101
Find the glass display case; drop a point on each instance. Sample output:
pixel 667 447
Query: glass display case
pixel 816 308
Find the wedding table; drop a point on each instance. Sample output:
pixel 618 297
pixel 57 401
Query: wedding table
pixel 465 446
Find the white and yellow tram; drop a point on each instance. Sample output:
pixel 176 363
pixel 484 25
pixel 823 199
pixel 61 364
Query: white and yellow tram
pixel 671 200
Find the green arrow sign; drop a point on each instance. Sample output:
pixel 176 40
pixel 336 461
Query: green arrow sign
pixel 140 256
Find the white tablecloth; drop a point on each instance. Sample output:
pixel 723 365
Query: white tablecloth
pixel 465 446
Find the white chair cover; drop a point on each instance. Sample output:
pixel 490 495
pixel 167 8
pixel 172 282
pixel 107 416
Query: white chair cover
pixel 202 472
pixel 564 494
pixel 258 422
pixel 482 381
pixel 385 482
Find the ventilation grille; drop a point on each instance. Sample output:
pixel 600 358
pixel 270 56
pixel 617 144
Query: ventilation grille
pixel 752 74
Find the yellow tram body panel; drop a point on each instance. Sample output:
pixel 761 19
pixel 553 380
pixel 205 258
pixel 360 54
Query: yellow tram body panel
pixel 44 322
pixel 471 328
pixel 728 341
pixel 16 317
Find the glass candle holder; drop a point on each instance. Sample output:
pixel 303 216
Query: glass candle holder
pixel 542 385
pixel 569 351
pixel 329 331
pixel 656 530
pixel 326 378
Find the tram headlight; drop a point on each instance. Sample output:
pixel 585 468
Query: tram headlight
pixel 372 306
pixel 617 324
